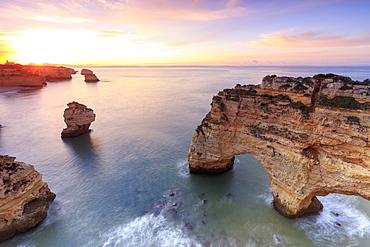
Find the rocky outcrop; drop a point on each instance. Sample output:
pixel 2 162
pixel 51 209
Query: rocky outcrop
pixel 311 137
pixel 25 198
pixel 89 75
pixel 78 119
pixel 31 75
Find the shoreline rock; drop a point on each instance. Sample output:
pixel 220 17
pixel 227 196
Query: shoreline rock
pixel 25 198
pixel 78 119
pixel 312 137
pixel 32 75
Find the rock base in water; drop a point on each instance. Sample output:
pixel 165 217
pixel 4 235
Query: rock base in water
pixel 24 197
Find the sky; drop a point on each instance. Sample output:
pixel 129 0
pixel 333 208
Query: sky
pixel 185 32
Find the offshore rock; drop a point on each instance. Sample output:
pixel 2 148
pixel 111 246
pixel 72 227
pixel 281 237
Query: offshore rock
pixel 24 197
pixel 89 75
pixel 32 75
pixel 310 135
pixel 78 119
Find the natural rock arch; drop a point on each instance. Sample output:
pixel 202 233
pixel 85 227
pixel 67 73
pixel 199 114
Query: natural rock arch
pixel 306 151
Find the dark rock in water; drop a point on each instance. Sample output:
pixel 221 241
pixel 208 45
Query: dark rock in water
pixel 205 201
pixel 172 194
pixel 174 204
pixel 334 213
pixel 189 226
pixel 229 195
pixel 204 222
pixel 202 195
pixel 337 223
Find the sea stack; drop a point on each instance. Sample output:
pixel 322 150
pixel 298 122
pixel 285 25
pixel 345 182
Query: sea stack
pixel 78 119
pixel 310 134
pixel 89 75
pixel 24 197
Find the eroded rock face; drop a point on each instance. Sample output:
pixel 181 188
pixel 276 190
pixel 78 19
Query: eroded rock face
pixel 309 142
pixel 78 119
pixel 89 75
pixel 31 75
pixel 24 197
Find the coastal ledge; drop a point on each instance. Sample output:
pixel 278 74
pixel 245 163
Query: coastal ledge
pixel 310 134
pixel 32 75
pixel 24 197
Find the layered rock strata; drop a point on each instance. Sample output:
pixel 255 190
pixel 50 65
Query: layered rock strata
pixel 24 197
pixel 89 75
pixel 31 75
pixel 311 136
pixel 78 119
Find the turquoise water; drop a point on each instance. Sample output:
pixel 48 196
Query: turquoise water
pixel 126 183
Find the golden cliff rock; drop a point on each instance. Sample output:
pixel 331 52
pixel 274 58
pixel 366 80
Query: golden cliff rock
pixel 310 134
pixel 32 75
pixel 24 197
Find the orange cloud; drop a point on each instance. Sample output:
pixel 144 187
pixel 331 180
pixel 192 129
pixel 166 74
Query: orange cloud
pixel 310 39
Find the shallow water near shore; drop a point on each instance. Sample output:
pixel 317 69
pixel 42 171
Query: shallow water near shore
pixel 126 183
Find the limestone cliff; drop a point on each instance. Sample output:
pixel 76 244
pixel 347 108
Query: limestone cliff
pixel 78 119
pixel 31 75
pixel 24 197
pixel 310 135
pixel 89 75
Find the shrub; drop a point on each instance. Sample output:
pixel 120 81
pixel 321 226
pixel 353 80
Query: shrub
pixel 340 102
pixel 353 119
pixel 299 105
pixel 300 87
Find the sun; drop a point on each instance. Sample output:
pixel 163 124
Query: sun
pixel 47 46
pixel 86 47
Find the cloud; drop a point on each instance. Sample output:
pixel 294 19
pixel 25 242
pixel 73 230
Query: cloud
pixel 310 39
pixel 60 19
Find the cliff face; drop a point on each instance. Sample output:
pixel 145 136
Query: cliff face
pixel 34 76
pixel 78 119
pixel 309 142
pixel 24 197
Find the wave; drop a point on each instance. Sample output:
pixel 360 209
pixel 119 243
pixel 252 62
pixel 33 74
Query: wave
pixel 340 222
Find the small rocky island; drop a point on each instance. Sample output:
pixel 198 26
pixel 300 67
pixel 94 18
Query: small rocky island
pixel 78 119
pixel 89 75
pixel 310 134
pixel 24 197
pixel 32 75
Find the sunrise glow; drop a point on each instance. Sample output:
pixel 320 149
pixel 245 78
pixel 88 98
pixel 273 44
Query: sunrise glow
pixel 185 32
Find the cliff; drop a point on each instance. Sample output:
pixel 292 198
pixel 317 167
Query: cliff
pixel 310 134
pixel 24 197
pixel 31 75
pixel 78 119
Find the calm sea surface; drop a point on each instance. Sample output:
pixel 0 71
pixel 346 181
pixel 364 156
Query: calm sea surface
pixel 114 184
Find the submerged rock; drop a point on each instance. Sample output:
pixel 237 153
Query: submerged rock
pixel 78 119
pixel 89 75
pixel 312 141
pixel 24 197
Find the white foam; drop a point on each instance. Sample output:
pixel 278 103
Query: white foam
pixel 183 168
pixel 149 230
pixel 340 222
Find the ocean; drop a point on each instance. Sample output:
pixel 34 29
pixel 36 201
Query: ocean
pixel 126 183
